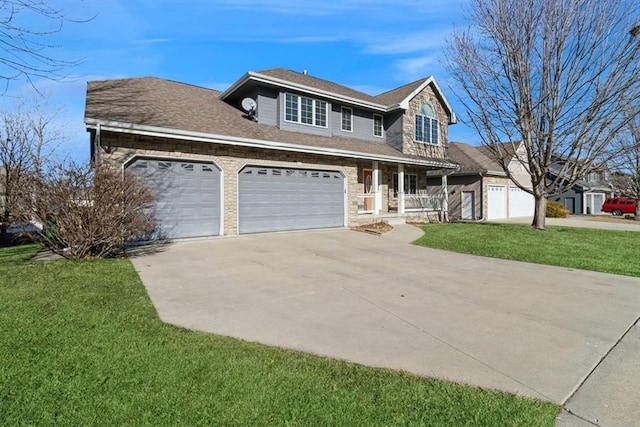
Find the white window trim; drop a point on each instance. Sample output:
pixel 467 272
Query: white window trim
pixel 381 125
pixel 395 178
pixel 342 110
pixel 313 111
pixel 437 123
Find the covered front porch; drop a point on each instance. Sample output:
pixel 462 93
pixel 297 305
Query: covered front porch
pixel 388 191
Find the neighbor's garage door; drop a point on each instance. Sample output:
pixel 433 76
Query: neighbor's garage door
pixel 187 196
pixel 520 203
pixel 497 206
pixel 278 199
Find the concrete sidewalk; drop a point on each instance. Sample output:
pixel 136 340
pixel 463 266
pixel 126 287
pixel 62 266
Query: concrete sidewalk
pixel 527 329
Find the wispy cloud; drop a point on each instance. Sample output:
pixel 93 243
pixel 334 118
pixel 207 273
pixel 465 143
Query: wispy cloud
pixel 413 68
pixel 388 44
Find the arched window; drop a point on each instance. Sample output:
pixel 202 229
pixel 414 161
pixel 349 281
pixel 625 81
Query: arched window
pixel 427 125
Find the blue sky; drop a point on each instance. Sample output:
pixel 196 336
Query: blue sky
pixel 372 46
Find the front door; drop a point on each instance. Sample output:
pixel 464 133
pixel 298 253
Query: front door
pixel 570 204
pixel 367 180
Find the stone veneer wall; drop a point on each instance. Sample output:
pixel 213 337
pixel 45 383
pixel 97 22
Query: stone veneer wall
pixel 230 159
pixel 410 146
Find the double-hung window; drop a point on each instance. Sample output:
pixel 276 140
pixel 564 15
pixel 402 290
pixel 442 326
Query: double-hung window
pixel 347 119
pixel 305 110
pixel 377 125
pixel 410 184
pixel 427 125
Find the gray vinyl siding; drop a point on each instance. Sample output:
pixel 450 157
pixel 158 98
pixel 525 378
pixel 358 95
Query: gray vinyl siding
pixel 267 100
pixel 361 125
pixel 393 130
pixel 566 200
pixel 300 127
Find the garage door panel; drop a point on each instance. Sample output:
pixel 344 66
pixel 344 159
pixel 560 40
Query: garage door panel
pixel 496 208
pixel 278 199
pixel 521 203
pixel 187 196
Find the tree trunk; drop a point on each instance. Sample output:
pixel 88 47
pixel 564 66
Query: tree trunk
pixel 637 216
pixel 540 212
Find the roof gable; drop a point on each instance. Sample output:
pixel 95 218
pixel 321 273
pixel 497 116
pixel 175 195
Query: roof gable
pixel 388 101
pixel 293 80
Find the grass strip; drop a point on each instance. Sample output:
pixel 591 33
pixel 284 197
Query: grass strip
pixel 605 251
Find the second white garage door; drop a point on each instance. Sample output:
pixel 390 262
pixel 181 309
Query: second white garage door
pixel 521 203
pixel 279 199
pixel 496 203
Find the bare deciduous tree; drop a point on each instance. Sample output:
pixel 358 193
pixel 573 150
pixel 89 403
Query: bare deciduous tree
pixel 555 75
pixel 91 211
pixel 26 29
pixel 625 164
pixel 28 138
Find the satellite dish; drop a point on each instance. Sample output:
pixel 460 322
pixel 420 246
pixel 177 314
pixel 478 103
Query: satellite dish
pixel 249 105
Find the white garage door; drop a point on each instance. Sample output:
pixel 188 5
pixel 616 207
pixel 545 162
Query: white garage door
pixel 187 196
pixel 496 203
pixel 521 203
pixel 278 199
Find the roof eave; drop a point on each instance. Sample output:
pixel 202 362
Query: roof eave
pixel 113 126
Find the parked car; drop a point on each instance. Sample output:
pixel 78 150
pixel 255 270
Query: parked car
pixel 619 205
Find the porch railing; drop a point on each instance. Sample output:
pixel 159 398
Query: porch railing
pixel 366 203
pixel 421 202
pixel 424 202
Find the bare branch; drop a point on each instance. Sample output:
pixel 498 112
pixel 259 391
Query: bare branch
pixel 27 28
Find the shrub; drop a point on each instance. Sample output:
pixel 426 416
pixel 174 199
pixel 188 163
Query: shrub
pixel 91 211
pixel 556 210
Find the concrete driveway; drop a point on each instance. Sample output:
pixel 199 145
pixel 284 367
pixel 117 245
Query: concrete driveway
pixel 527 329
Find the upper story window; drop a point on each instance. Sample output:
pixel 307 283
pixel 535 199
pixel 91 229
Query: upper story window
pixel 347 119
pixel 427 125
pixel 377 125
pixel 308 111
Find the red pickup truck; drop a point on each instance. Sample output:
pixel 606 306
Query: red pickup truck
pixel 619 205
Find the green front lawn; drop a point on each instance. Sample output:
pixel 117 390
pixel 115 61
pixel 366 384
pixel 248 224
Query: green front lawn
pixel 82 345
pixel 607 251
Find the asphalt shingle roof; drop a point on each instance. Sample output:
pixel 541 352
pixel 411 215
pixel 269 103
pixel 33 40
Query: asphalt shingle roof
pixel 472 159
pixel 395 96
pixel 316 83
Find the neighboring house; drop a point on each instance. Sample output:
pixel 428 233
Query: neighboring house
pixel 480 189
pixel 278 150
pixel 587 195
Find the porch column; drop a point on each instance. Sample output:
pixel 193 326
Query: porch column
pixel 400 188
pixel 445 198
pixel 377 200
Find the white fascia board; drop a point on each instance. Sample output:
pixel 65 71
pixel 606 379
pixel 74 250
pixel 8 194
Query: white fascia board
pixel 306 89
pixel 130 128
pixel 430 80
